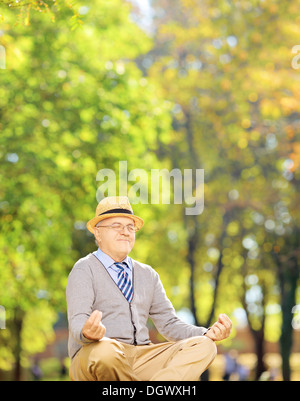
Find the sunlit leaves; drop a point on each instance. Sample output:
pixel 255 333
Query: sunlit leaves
pixel 227 67
pixel 72 102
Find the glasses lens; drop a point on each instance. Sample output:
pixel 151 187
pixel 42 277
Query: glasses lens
pixel 119 227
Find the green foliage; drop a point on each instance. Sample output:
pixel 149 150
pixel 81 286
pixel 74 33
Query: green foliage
pixel 227 67
pixel 72 103
pixel 213 89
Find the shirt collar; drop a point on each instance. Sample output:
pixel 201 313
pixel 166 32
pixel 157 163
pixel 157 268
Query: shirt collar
pixel 107 261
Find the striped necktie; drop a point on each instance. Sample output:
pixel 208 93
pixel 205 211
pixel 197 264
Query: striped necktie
pixel 124 282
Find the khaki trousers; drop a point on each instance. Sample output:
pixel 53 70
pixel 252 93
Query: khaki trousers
pixel 111 360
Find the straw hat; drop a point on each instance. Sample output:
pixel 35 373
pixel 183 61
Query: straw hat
pixel 114 206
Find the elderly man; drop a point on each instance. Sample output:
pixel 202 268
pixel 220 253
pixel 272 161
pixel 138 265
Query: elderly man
pixel 110 297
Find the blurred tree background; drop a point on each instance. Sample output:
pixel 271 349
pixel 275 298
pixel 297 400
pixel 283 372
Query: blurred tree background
pixel 186 84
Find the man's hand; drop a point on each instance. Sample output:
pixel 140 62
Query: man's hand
pixel 93 329
pixel 221 329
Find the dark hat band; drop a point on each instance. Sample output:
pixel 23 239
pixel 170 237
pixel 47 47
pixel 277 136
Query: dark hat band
pixel 116 211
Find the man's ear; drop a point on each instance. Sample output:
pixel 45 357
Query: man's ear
pixel 97 236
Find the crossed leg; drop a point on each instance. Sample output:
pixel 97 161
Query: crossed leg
pixel 111 360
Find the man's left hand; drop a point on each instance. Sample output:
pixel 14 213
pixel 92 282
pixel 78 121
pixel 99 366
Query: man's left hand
pixel 221 329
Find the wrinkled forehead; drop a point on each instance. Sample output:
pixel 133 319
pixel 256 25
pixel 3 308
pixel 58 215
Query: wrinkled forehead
pixel 118 219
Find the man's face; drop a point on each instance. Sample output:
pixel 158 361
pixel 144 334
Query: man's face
pixel 116 244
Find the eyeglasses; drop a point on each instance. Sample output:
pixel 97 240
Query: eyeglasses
pixel 120 227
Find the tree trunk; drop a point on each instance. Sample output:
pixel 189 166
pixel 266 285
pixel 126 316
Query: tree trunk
pixel 259 341
pixel 286 339
pixel 288 275
pixel 191 260
pixel 258 335
pixel 17 328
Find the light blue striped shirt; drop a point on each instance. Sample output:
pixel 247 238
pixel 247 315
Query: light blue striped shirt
pixel 108 263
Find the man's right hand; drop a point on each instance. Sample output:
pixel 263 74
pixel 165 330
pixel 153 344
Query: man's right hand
pixel 93 329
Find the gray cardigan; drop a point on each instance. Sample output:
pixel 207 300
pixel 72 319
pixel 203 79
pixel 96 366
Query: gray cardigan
pixel 90 287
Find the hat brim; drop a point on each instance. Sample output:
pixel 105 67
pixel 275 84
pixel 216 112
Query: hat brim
pixel 137 220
